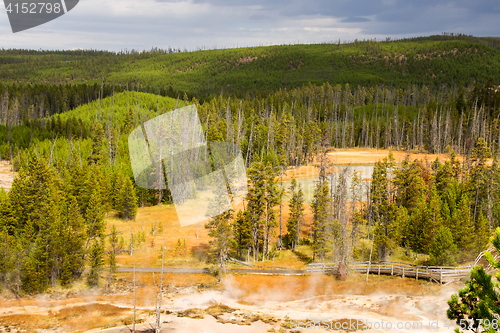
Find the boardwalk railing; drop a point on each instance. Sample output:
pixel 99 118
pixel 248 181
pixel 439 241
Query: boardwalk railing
pixel 439 274
pixel 481 260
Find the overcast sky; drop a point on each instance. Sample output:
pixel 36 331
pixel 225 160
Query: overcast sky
pixel 142 24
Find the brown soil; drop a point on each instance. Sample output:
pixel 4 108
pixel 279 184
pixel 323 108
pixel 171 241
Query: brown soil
pixel 6 175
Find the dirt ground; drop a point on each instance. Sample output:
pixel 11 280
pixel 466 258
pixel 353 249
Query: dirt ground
pixel 241 303
pixel 6 175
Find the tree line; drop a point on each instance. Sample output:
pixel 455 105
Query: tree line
pixel 434 61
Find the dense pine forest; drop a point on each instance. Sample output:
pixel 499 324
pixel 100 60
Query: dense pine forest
pixel 285 107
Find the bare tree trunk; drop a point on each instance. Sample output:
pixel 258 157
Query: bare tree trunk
pixel 158 308
pixel 266 235
pixel 52 150
pixel 133 322
pixel 460 133
pixel 154 227
pixel 131 243
pixel 370 261
pixel 281 200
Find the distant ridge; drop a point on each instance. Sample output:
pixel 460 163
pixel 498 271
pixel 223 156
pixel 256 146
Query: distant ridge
pixel 435 61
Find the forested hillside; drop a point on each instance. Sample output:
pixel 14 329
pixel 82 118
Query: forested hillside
pixel 434 61
pixel 69 143
pixel 81 158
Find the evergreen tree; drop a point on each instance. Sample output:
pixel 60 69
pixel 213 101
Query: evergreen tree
pixel 444 177
pixel 94 217
pixel 446 216
pixel 409 183
pixel 478 303
pixel 479 178
pixel 356 223
pixel 128 123
pixel 482 233
pixel 443 251
pixel 242 230
pixel 7 220
pixel 113 241
pixel 127 200
pixel 434 221
pixel 414 233
pixel 296 214
pixel 96 260
pixel 271 198
pixel 282 137
pixel 75 177
pixel 495 194
pixel 455 166
pixel 321 218
pixel 73 236
pixel 383 210
pixel 38 206
pixel 116 186
pixel 5 254
pixel 97 150
pixel 96 184
pixel 462 227
pixel 256 204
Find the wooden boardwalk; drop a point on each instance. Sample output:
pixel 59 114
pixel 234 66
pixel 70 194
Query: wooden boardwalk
pixel 440 274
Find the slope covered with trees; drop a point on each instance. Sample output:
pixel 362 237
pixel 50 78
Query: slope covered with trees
pixel 69 143
pixel 434 61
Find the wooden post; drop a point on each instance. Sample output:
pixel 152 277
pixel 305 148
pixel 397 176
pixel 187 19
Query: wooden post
pixel 378 268
pixel 392 269
pixel 403 271
pixel 441 276
pixel 417 274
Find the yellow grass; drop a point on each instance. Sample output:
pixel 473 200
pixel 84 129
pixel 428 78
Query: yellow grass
pixel 148 254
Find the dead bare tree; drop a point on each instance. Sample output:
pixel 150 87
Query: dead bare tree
pixel 158 310
pixel 133 321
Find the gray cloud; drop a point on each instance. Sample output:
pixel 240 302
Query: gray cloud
pixel 355 19
pixel 259 17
